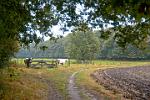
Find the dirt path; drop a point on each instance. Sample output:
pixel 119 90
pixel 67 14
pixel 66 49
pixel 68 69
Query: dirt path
pixel 74 91
pixel 53 93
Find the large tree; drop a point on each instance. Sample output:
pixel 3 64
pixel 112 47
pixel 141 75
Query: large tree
pixel 20 21
pixel 83 46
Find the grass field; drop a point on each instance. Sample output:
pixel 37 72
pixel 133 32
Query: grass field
pixel 21 83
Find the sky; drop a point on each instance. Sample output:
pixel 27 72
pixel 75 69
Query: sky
pixel 56 29
pixel 56 32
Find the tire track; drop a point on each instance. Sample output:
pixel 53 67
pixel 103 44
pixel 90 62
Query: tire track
pixel 74 92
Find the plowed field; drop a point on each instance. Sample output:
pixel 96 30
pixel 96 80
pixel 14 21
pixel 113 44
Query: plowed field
pixel 133 83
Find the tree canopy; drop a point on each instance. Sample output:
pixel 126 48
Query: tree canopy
pixel 21 20
pixel 133 15
pixel 109 49
pixel 83 46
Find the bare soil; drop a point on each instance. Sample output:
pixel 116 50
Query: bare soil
pixel 133 83
pixel 75 92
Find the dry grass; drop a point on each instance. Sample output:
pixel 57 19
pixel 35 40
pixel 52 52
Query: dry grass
pixel 18 84
pixel 84 79
pixel 21 83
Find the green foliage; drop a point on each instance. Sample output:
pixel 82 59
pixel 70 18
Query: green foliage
pixel 7 49
pixel 132 14
pixel 108 49
pixel 52 49
pixel 43 48
pixel 12 18
pixel 83 46
pixel 19 21
pixel 125 35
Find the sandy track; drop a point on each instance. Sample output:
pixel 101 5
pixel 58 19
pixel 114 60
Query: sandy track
pixel 74 92
pixel 53 93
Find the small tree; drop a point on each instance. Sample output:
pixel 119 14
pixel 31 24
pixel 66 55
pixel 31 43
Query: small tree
pixel 83 46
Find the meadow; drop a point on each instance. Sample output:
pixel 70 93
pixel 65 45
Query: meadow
pixel 20 83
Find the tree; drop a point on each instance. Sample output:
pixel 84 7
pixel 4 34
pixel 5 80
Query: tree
pixel 105 11
pixel 20 20
pixel 123 14
pixel 83 46
pixel 7 49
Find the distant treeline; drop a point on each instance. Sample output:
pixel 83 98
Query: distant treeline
pixel 108 50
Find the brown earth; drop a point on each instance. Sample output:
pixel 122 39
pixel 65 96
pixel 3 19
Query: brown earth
pixel 133 83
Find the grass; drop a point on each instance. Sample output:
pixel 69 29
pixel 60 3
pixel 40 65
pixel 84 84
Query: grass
pixel 60 77
pixel 27 83
pixel 84 80
pixel 18 84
